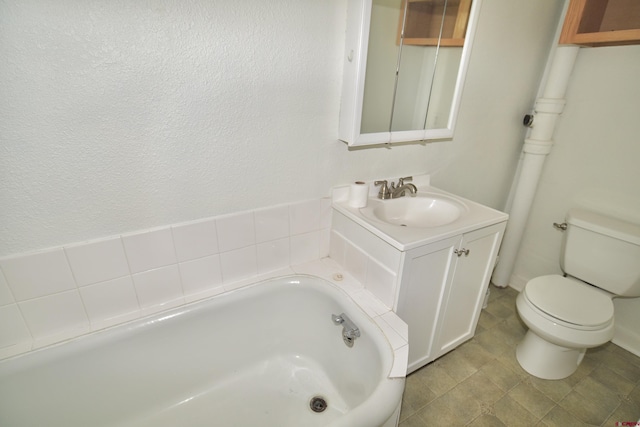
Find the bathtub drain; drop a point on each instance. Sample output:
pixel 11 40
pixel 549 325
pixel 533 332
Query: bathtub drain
pixel 318 404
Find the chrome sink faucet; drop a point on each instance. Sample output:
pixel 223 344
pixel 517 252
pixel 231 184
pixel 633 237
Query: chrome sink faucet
pixel 395 190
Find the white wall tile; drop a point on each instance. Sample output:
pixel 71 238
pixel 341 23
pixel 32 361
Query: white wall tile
pixel 325 237
pixel 39 274
pixel 97 261
pixel 110 299
pixel 273 255
pixel 200 274
pixel 305 247
pixel 272 223
pixel 195 240
pixel 238 264
pixel 149 250
pixel 158 287
pixel 13 330
pixel 381 282
pixel 6 297
pixel 55 314
pixel 325 212
pixel 305 216
pixel 236 231
pixel 337 247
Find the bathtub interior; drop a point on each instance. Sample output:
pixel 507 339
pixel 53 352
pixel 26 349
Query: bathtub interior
pixel 271 348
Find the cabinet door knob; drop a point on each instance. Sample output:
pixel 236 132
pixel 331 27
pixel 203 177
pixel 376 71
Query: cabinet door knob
pixel 461 252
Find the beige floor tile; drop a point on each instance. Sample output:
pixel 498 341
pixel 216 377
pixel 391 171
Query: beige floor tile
pixel 512 414
pixel 623 367
pixel 531 399
pixel 436 378
pixel 475 354
pixel 486 420
pixel 416 395
pixel 634 396
pixel 587 410
pixel 460 401
pixel 501 375
pixel 596 392
pixel 413 421
pixel 457 366
pixel 493 341
pixel 487 320
pixel 555 390
pixel 501 309
pixel 438 413
pixel 627 355
pixel 558 417
pixel 615 383
pixel 482 389
pixel 624 413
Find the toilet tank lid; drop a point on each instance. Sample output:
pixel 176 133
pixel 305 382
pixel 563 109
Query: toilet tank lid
pixel 606 225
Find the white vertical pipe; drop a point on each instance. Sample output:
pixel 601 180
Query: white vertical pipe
pixel 535 150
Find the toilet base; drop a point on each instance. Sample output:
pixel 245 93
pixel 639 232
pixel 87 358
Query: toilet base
pixel 545 360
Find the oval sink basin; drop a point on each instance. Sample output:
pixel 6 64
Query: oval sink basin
pixel 423 210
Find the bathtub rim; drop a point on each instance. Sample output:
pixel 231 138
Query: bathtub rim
pixel 175 311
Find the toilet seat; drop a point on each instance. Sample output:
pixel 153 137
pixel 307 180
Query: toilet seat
pixel 575 304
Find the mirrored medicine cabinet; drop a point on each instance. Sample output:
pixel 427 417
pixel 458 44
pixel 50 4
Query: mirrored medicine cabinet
pixel 405 64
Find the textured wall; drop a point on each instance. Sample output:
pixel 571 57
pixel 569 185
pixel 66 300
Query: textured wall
pixel 122 115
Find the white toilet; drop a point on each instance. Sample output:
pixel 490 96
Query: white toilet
pixel 568 314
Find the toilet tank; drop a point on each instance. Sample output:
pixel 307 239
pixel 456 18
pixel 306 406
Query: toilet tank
pixel 602 251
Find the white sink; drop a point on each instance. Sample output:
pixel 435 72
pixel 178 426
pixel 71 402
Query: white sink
pixel 425 210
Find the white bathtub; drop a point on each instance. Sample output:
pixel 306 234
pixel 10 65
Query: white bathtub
pixel 251 357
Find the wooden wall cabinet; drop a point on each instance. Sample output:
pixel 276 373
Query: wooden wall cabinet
pixel 602 23
pixel 425 17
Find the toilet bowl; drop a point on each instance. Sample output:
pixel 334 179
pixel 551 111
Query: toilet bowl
pixel 564 317
pixel 568 314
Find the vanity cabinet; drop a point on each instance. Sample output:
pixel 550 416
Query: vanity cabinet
pixel 602 23
pixel 434 275
pixel 442 289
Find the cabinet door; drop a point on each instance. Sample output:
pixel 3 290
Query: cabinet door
pixel 424 279
pixel 463 299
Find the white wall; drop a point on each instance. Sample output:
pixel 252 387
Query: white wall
pixel 119 116
pixel 593 164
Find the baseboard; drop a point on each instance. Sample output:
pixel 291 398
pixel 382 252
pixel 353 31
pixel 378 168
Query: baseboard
pixel 627 339
pixel 517 282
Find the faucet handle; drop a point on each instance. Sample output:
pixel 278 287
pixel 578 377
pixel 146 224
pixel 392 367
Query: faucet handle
pixel 402 180
pixel 384 189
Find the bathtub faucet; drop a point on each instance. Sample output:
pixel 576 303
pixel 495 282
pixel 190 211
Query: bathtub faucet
pixel 349 329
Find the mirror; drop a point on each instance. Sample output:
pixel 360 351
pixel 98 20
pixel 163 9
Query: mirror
pixel 404 70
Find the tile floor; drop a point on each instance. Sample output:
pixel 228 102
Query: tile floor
pixel 481 384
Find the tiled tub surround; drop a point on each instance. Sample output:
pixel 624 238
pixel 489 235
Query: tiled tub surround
pixel 64 292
